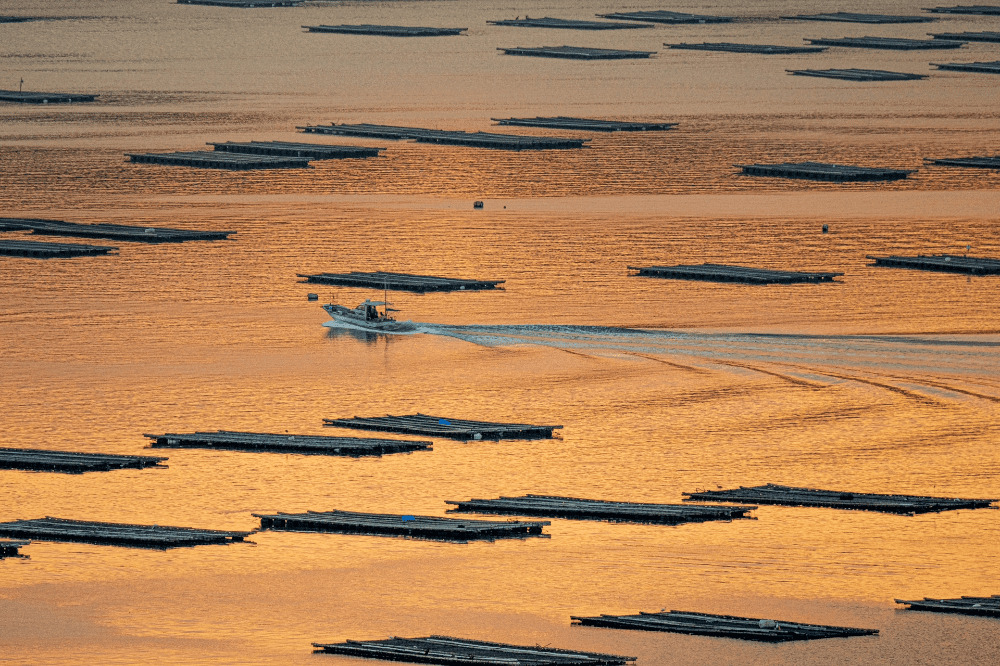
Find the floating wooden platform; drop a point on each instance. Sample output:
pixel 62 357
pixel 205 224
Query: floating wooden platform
pixel 946 263
pixel 981 67
pixel 722 273
pixel 819 171
pixel 591 124
pixel 987 10
pixel 43 97
pixel 767 49
pixel 890 43
pixel 728 626
pixel 574 52
pixel 967 36
pixel 36 250
pixel 243 3
pixel 661 16
pixel 400 281
pixel 568 24
pixel 309 444
pixel 836 499
pixel 116 534
pixel 987 606
pixel 858 74
pixel 9 547
pixel 114 231
pixel 471 139
pixel 851 17
pixel 590 509
pixel 312 151
pixel 435 426
pixel 456 651
pixel 67 461
pixel 207 159
pixel 976 162
pixel 386 30
pixel 387 524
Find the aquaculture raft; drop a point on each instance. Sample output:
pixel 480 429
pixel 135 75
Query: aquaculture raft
pixel 114 231
pixel 728 626
pixel 767 49
pixel 836 499
pixel 988 606
pixel 314 444
pixel 992 67
pixel 592 124
pixel 43 97
pixel 838 173
pixel 387 524
pixel 36 250
pixel 945 263
pixel 851 17
pixel 116 534
pixel 401 281
pixel 68 461
pixel 9 547
pixel 471 139
pixel 890 43
pixel 858 74
pixel 312 151
pixel 977 162
pixel 967 36
pixel 662 16
pixel 435 426
pixel 455 651
pixel 206 159
pixel 243 3
pixel 386 30
pixel 966 9
pixel 574 52
pixel 568 24
pixel 722 273
pixel 589 509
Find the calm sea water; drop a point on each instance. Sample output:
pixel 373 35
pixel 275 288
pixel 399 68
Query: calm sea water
pixel 887 381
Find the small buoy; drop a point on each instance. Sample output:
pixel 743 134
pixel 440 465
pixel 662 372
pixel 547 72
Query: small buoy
pixel 826 228
pixel 477 204
pixel 312 297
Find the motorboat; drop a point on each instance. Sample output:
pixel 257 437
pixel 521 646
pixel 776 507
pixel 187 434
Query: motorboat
pixel 369 317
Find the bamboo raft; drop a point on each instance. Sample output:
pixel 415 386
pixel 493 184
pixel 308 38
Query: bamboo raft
pixel 400 281
pixel 306 444
pixel 219 159
pixel 944 263
pixel 992 67
pixel 574 52
pixel 67 461
pixel 116 534
pixel 590 509
pixel 313 151
pixel 986 10
pixel 243 3
pixel 386 30
pixel 852 17
pixel 789 496
pixel 387 524
pixel 591 124
pixel 766 49
pixel 858 74
pixel 566 24
pixel 722 273
pixel 985 606
pixel 662 16
pixel 471 139
pixel 43 97
pixel 838 173
pixel 113 231
pixel 36 250
pixel 727 626
pixel 434 426
pixel 457 651
pixel 983 36
pixel 889 43
pixel 9 547
pixel 975 162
